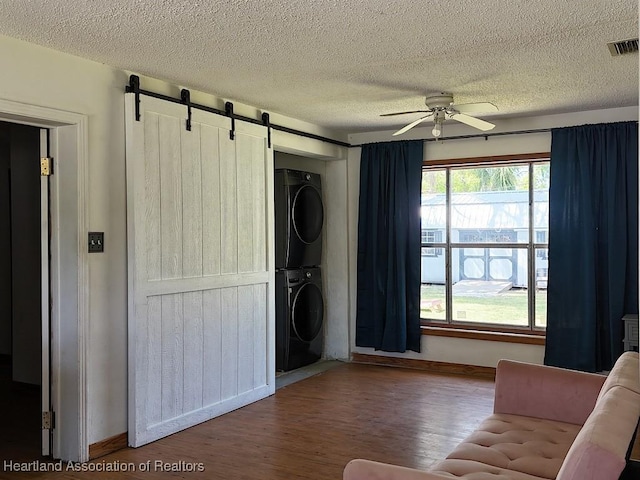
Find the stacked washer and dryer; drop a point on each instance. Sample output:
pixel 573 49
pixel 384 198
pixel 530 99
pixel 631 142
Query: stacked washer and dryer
pixel 299 216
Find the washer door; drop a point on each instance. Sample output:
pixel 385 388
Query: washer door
pixel 307 214
pixel 307 312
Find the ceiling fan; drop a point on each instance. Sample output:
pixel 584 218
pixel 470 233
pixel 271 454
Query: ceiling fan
pixel 441 107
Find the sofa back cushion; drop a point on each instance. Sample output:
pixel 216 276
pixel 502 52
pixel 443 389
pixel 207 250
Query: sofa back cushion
pixel 599 450
pixel 625 373
pixel 546 392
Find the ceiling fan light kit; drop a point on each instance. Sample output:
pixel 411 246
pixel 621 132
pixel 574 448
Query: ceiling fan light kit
pixel 438 119
pixel 441 107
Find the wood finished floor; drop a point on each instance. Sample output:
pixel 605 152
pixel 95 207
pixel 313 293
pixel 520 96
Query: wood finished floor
pixel 311 429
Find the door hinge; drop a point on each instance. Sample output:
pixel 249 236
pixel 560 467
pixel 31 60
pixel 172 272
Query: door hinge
pixel 48 420
pixel 46 166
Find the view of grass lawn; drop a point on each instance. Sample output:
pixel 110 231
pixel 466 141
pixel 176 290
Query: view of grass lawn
pixel 508 308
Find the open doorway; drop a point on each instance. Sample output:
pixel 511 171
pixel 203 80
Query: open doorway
pixel 68 301
pixel 21 272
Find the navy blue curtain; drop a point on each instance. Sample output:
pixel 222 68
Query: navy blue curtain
pixel 593 243
pixel 388 304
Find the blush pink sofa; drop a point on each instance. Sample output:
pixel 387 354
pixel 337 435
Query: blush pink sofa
pixel 548 423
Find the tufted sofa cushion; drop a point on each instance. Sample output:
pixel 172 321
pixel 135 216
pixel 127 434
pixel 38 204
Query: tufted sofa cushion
pixel 513 447
pixel 481 471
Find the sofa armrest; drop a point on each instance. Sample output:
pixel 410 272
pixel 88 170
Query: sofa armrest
pixel 541 391
pixel 367 470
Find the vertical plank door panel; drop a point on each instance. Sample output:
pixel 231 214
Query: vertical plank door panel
pixel 191 202
pixel 153 360
pixel 246 329
pixel 170 196
pixel 261 339
pixel 211 376
pixel 229 334
pixel 210 161
pixel 152 197
pixel 228 206
pixel 260 205
pixel 172 356
pixel 245 204
pixel 193 350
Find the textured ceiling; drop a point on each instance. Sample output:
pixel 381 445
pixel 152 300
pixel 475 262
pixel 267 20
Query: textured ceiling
pixel 341 63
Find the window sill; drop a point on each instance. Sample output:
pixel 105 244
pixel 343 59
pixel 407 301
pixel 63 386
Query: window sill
pixel 526 338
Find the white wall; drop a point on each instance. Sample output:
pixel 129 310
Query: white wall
pixel 5 248
pixel 460 350
pixel 44 77
pixel 334 247
pixel 95 90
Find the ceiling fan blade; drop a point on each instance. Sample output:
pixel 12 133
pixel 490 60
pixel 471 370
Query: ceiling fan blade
pixel 481 107
pixel 411 125
pixel 473 121
pixel 403 113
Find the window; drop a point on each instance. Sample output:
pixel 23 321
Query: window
pixel 430 237
pixel 484 242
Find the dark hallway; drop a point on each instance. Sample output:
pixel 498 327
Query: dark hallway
pixel 20 296
pixel 20 404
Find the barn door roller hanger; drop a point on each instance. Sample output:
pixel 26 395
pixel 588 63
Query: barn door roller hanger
pixel 185 99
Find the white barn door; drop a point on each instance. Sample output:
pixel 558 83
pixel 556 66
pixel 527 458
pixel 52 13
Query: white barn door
pixel 201 267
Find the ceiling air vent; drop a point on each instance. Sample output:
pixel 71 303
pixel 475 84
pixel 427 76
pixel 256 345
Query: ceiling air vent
pixel 623 47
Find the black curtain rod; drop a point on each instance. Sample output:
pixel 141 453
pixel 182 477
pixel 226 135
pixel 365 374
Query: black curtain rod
pixel 479 135
pixel 487 135
pixel 134 87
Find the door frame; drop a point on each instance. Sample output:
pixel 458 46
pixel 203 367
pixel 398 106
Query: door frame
pixel 45 292
pixel 69 271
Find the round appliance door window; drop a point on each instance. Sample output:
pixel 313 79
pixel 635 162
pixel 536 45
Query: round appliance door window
pixel 307 312
pixel 308 214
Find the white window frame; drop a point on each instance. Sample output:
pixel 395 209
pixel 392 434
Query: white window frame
pixel 532 246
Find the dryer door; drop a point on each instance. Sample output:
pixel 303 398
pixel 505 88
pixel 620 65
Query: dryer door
pixel 307 214
pixel 307 312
